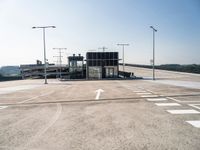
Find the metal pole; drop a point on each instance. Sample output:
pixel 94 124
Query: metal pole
pixel 60 63
pixel 45 64
pixel 154 30
pixel 123 57
pixel 103 48
pixel 153 54
pixel 60 60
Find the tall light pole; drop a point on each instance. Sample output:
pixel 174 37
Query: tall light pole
pixel 45 64
pixel 154 30
pixel 60 51
pixel 123 44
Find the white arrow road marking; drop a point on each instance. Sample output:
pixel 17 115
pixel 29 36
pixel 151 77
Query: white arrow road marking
pixel 98 93
pixel 2 107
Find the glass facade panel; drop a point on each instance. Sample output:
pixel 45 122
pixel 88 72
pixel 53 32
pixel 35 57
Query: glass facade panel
pixel 115 55
pixel 111 55
pixel 115 62
pixel 111 62
pixel 99 63
pixel 107 55
pixel 99 56
pixel 102 58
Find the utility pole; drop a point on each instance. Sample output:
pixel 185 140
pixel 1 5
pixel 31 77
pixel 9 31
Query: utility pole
pixel 60 59
pixel 123 44
pixel 58 63
pixel 56 67
pixel 154 30
pixel 103 48
pixel 45 60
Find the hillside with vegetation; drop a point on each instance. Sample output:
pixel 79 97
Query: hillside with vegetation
pixel 10 73
pixel 191 68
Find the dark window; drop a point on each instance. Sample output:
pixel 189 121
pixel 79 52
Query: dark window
pixel 90 62
pixel 89 55
pixel 94 63
pixel 115 62
pixel 103 56
pixel 107 55
pixel 103 63
pixel 111 62
pixel 99 63
pixel 111 55
pixel 115 55
pixel 99 55
pixel 106 63
pixel 93 55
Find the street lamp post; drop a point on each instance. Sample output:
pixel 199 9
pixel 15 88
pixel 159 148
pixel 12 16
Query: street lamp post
pixel 154 30
pixel 60 51
pixel 45 64
pixel 122 44
pixel 103 48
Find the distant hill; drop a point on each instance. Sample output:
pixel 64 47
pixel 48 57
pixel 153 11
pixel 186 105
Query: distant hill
pixel 191 68
pixel 10 73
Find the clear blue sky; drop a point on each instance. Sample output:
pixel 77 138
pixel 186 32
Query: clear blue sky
pixel 84 25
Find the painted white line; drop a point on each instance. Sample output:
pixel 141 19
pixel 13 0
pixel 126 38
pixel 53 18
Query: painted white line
pixel 149 96
pixel 195 123
pixel 35 97
pixel 189 101
pixel 180 101
pixel 9 97
pixel 3 107
pixel 98 93
pixel 7 90
pixel 167 104
pixel 194 105
pixel 187 84
pixel 150 91
pixel 183 111
pixel 140 91
pixel 173 99
pixel 143 93
pixel 156 99
pixel 47 126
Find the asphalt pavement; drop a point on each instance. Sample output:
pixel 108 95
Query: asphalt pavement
pixel 102 115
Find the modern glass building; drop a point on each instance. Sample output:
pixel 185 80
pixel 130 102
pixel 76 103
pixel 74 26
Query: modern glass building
pixel 102 65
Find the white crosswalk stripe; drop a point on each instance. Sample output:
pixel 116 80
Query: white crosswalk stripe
pixel 183 111
pixel 2 107
pixel 194 123
pixel 149 96
pixel 167 104
pixel 143 93
pixel 156 99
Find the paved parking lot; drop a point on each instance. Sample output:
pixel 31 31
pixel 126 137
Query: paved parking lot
pixel 107 114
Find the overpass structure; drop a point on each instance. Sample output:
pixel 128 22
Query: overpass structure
pixel 37 71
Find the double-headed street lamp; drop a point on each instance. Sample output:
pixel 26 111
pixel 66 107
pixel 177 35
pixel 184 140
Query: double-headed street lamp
pixel 122 44
pixel 45 64
pixel 154 30
pixel 60 60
